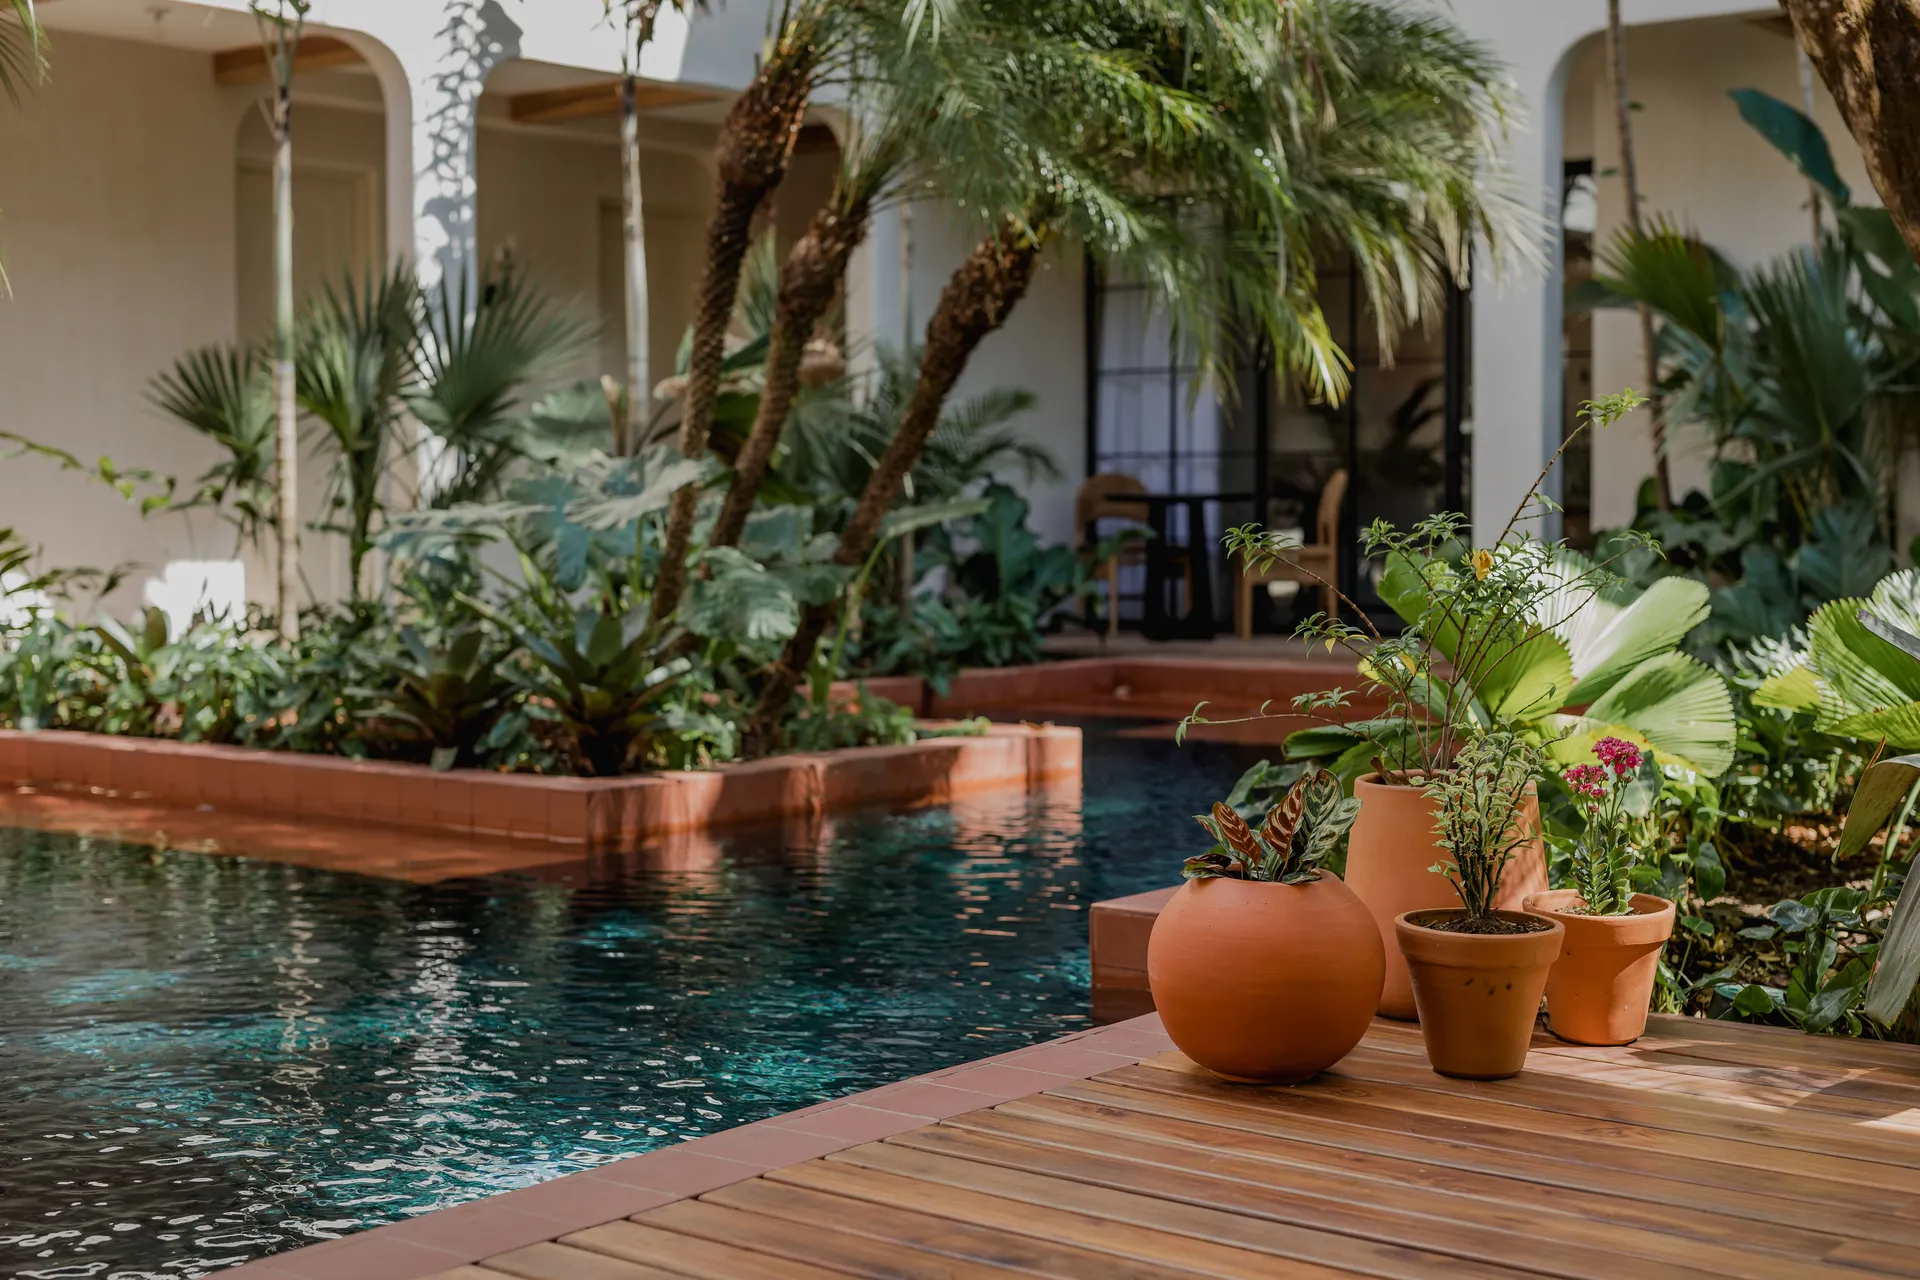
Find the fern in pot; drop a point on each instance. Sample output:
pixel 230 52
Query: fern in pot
pixel 1478 970
pixel 1264 966
pixel 1599 989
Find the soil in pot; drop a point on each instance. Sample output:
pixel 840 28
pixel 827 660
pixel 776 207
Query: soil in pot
pixel 1390 854
pixel 1265 983
pixel 1477 992
pixel 1599 989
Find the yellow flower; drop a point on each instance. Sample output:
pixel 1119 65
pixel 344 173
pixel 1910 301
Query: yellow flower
pixel 1482 564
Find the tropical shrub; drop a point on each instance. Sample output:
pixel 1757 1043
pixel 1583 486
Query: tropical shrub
pixel 1298 835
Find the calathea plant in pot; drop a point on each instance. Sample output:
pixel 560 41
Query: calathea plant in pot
pixel 1478 971
pixel 1599 989
pixel 1264 966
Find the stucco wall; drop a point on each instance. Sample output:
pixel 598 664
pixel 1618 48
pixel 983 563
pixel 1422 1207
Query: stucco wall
pixel 1700 164
pixel 116 213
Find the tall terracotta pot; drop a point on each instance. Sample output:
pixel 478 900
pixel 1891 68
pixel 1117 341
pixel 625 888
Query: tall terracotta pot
pixel 1265 983
pixel 1390 853
pixel 1478 994
pixel 1600 987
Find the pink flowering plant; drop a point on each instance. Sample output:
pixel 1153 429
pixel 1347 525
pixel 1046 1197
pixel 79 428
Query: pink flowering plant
pixel 1604 859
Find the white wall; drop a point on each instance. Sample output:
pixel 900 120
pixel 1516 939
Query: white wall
pixel 116 216
pixel 1701 165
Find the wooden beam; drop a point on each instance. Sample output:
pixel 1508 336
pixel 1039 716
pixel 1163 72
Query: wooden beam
pixel 250 64
pixel 601 98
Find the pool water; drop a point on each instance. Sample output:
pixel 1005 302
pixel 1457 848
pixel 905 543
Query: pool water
pixel 204 1060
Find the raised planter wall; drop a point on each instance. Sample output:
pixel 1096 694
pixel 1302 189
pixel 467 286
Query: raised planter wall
pixel 590 812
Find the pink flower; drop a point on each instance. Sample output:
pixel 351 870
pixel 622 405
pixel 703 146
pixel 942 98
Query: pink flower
pixel 1618 755
pixel 1588 780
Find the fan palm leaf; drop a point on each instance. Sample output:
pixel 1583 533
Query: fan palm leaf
pixel 226 394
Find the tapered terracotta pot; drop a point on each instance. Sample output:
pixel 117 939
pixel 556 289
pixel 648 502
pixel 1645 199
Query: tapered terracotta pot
pixel 1265 983
pixel 1478 994
pixel 1390 856
pixel 1600 987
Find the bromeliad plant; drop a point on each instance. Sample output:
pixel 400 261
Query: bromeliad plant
pixel 1482 822
pixel 1605 856
pixel 1298 835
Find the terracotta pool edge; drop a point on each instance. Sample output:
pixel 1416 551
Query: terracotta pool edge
pixel 585 812
pixel 472 1232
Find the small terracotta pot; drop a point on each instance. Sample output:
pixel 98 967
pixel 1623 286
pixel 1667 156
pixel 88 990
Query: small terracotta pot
pixel 1478 993
pixel 1390 856
pixel 1265 983
pixel 1601 985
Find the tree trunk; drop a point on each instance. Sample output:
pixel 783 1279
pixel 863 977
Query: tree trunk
pixel 809 279
pixel 633 226
pixel 1623 118
pixel 976 301
pixel 287 409
pixel 755 143
pixel 1868 53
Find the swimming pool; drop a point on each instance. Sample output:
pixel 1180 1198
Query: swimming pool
pixel 204 1060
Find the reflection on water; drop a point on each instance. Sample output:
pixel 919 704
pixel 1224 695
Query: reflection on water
pixel 204 1060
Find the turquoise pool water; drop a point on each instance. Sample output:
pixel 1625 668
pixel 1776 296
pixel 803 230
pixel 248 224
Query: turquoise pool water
pixel 206 1060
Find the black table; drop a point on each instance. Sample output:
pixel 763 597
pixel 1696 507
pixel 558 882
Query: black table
pixel 1159 622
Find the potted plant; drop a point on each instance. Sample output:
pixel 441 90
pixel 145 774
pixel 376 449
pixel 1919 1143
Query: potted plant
pixel 1264 966
pixel 1522 634
pixel 1478 970
pixel 1599 989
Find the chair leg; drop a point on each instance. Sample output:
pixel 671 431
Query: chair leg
pixel 1113 596
pixel 1332 599
pixel 1243 608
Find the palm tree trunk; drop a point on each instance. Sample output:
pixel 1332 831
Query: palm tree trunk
pixel 755 143
pixel 1869 57
pixel 633 226
pixel 976 301
pixel 1623 118
pixel 809 279
pixel 286 46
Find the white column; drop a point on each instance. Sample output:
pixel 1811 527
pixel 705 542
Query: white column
pixel 1518 347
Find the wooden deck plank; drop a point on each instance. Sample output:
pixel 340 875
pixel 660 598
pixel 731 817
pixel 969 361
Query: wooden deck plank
pixel 1323 1190
pixel 1479 1147
pixel 691 1256
pixel 1169 1218
pixel 1815 1135
pixel 1783 1045
pixel 1386 1214
pixel 1331 1148
pixel 818 1242
pixel 1177 1255
pixel 1826 1179
pixel 1026 1255
pixel 552 1261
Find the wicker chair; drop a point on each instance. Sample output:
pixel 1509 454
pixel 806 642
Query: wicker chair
pixel 1095 501
pixel 1320 559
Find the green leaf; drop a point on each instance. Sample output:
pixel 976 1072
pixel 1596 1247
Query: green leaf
pixel 1795 689
pixel 911 519
pixel 1606 641
pixel 1754 1001
pixel 1673 704
pixel 1794 136
pixel 734 597
pixel 1709 873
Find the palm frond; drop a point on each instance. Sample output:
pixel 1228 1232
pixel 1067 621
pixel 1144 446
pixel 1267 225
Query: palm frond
pixel 23 48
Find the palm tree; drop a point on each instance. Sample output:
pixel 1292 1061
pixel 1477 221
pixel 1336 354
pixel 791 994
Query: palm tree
pixel 1215 148
pixel 755 143
pixel 280 31
pixel 226 394
pixel 23 62
pixel 1630 179
pixel 638 19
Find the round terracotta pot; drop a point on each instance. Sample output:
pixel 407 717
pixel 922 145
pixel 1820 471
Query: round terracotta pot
pixel 1265 983
pixel 1390 856
pixel 1478 993
pixel 1600 987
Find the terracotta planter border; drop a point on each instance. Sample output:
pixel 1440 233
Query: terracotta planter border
pixel 586 812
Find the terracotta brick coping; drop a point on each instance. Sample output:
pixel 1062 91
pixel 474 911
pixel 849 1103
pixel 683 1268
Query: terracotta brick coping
pixel 1117 933
pixel 1118 686
pixel 576 812
pixel 449 1238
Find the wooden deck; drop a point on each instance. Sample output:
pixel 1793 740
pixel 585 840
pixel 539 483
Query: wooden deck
pixel 1706 1149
